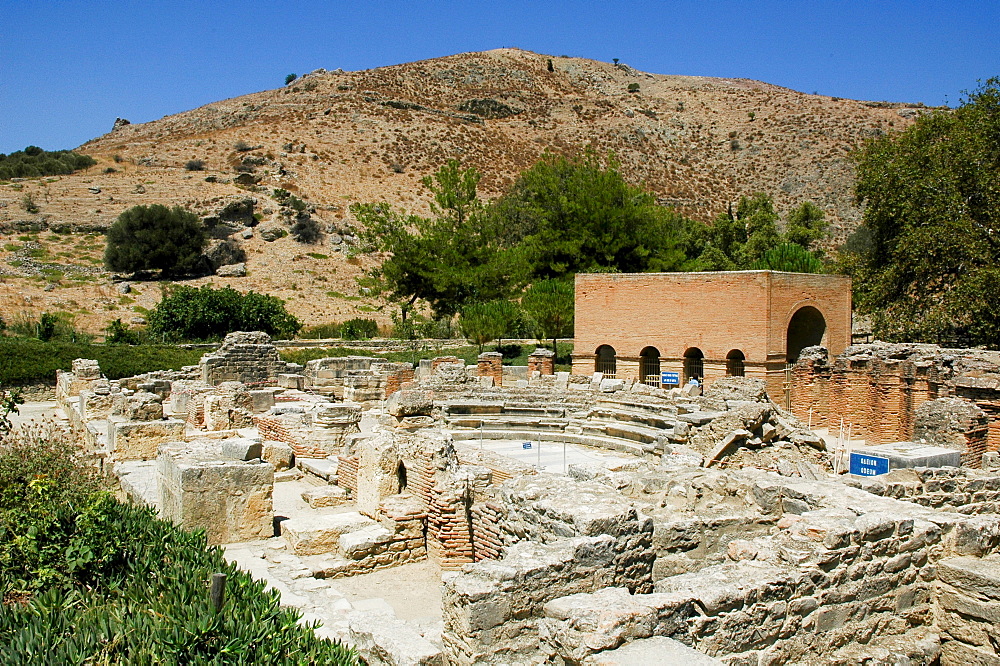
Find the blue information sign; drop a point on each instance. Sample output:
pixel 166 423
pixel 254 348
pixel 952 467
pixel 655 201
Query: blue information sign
pixel 863 464
pixel 526 445
pixel 670 378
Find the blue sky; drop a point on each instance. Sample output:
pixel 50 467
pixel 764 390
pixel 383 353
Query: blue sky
pixel 68 67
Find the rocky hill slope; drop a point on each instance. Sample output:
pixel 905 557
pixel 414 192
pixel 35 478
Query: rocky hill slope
pixel 334 138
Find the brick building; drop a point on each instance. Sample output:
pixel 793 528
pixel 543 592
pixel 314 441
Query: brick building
pixel 709 325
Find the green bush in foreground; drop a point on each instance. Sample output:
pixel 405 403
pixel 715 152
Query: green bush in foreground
pixel 85 578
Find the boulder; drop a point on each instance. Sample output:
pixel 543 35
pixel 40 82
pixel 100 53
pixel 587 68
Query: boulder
pixel 234 270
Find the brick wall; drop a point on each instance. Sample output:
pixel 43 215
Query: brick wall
pixel 715 312
pixel 491 365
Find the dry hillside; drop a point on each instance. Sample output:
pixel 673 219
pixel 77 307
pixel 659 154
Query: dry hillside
pixel 335 138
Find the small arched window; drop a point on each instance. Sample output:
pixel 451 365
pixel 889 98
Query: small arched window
pixel 606 361
pixel 649 366
pixel 694 364
pixel 734 363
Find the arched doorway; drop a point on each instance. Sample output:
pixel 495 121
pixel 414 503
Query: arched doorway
pixel 605 361
pixel 734 363
pixel 806 329
pixel 649 366
pixel 694 364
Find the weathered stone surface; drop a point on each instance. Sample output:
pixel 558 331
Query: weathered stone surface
pixel 229 499
pixel 313 535
pixel 278 454
pixel 382 639
pixel 140 440
pixel 410 403
pixel 324 496
pixel 655 651
pixel 242 448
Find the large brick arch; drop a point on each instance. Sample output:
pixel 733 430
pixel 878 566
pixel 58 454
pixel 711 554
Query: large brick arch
pixel 806 328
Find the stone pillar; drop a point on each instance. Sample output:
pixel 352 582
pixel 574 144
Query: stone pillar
pixel 491 365
pixel 542 360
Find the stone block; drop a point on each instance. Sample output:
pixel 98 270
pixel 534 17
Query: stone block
pixel 972 575
pixel 905 455
pixel 261 400
pixel 361 543
pixel 278 454
pixel 410 403
pixel 291 381
pixel 655 651
pixel 242 448
pixel 314 535
pixel 140 440
pixel 382 638
pixel 611 385
pixel 324 496
pixel 231 500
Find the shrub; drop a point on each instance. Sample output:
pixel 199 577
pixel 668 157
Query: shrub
pixel 33 162
pixel 633 87
pixel 118 333
pixel 195 165
pixel 47 326
pixel 187 313
pixel 290 78
pixel 306 230
pixel 147 238
pixel 242 146
pixel 28 203
pixel 359 329
pixel 119 585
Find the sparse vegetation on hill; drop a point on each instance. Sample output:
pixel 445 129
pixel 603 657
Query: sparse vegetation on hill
pixel 367 136
pixel 33 162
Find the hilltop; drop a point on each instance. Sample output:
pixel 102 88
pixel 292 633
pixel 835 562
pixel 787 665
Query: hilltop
pixel 334 138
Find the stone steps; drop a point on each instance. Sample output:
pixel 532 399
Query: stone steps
pixel 596 441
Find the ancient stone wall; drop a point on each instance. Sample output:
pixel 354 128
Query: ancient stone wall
pixel 877 390
pixel 967 491
pixel 967 600
pixel 248 357
pixel 491 365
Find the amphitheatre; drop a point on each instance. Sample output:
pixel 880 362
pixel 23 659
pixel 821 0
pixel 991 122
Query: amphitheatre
pixel 441 513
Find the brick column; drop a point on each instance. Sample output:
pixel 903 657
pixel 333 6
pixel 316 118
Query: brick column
pixel 542 360
pixel 491 365
pixel 444 359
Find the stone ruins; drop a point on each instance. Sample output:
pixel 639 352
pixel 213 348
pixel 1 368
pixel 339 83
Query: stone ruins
pixel 541 517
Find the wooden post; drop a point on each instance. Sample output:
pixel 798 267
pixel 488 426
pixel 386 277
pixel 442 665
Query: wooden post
pixel 217 593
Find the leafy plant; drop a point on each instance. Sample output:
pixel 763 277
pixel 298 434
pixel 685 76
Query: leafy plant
pixel 28 203
pixel 305 230
pixel 550 306
pixel 359 329
pixel 633 87
pixel 186 313
pixel 290 78
pixel 148 238
pixel 195 165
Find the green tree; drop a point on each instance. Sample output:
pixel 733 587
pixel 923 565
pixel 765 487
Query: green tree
pixel 290 78
pixel 927 268
pixel 550 305
pixel 156 238
pixel 805 224
pixel 788 257
pixel 485 322
pixel 186 313
pixel 453 258
pixel 578 214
